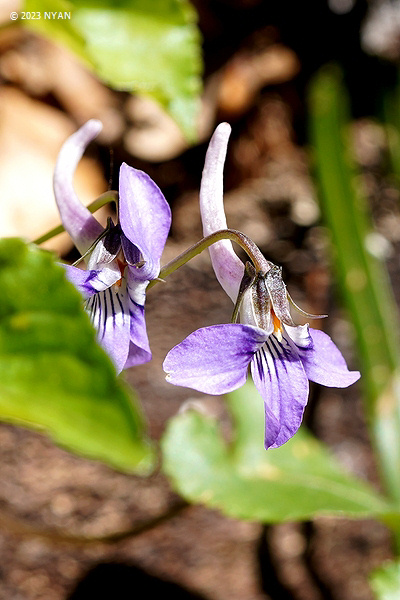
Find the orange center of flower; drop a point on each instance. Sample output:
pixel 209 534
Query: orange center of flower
pixel 277 325
pixel 121 265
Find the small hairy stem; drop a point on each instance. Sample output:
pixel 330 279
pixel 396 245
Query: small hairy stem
pixel 106 198
pixel 261 264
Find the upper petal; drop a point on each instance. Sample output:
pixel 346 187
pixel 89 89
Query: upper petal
pixel 81 225
pixel 324 363
pixel 227 265
pixel 280 378
pixel 145 217
pixel 214 360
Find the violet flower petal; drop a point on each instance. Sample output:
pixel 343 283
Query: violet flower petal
pixel 137 356
pixel 139 349
pixel 116 312
pixel 131 253
pixel 324 363
pixel 214 359
pixel 227 265
pixel 92 281
pixel 109 313
pixel 78 221
pixel 280 379
pixel 300 335
pixel 145 218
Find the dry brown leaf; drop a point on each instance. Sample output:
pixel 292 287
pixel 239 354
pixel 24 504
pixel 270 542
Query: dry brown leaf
pixel 31 134
pixel 40 67
pixel 245 74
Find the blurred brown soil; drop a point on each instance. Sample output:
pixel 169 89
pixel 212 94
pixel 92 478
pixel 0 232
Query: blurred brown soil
pixel 48 496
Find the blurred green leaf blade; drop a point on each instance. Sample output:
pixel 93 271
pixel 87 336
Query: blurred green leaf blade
pixel 53 375
pixel 297 481
pixel 151 48
pixel 362 274
pixel 385 581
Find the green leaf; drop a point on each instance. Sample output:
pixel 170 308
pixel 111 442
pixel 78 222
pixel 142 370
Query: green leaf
pixel 362 274
pixel 297 481
pixel 53 375
pixel 152 48
pixel 385 581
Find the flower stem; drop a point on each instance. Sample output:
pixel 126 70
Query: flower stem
pixel 106 198
pixel 261 264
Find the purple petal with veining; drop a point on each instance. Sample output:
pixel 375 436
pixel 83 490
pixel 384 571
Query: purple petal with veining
pixel 300 335
pixel 109 313
pixel 93 281
pixel 280 379
pixel 214 360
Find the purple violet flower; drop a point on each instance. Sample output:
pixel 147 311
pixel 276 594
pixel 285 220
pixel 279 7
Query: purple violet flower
pixel 121 259
pixel 282 357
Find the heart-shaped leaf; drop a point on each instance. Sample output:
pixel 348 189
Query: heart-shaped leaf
pixel 297 481
pixel 53 375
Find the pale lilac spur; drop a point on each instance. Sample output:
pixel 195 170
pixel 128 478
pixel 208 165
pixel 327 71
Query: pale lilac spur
pixel 282 357
pixel 120 259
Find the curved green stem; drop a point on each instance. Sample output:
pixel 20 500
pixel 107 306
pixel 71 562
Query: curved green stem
pixel 261 264
pixel 106 198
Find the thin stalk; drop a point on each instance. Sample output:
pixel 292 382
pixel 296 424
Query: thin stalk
pixel 106 198
pixel 261 264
